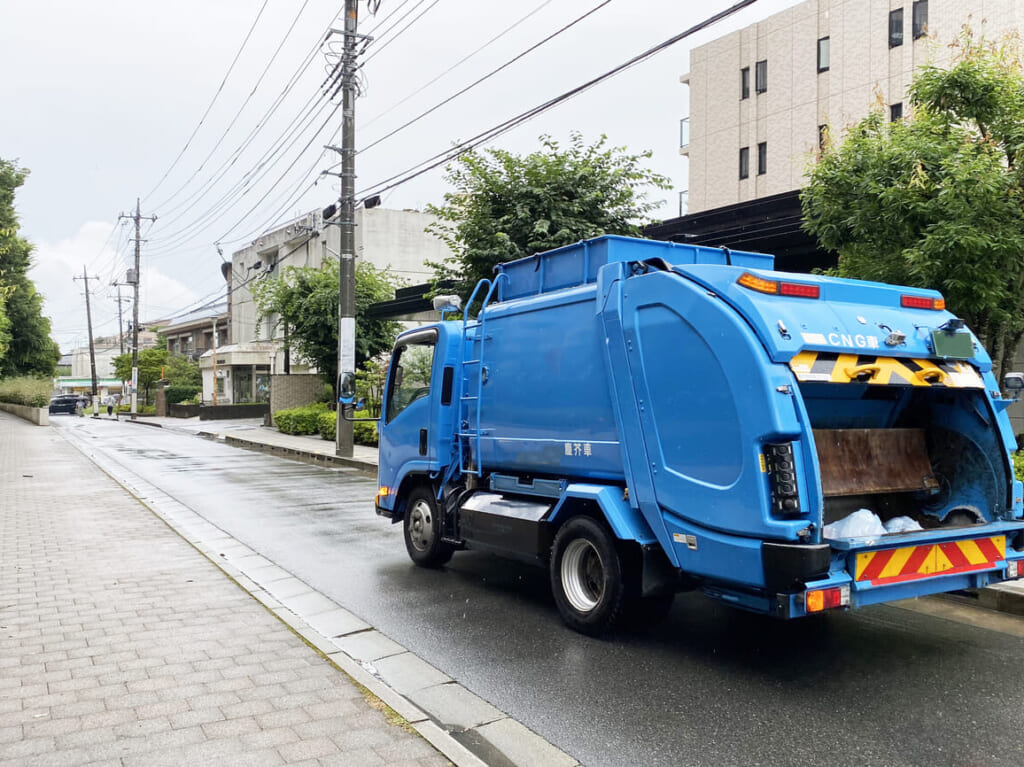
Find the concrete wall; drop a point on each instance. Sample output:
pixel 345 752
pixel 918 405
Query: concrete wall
pixel 40 416
pixel 288 391
pixel 863 72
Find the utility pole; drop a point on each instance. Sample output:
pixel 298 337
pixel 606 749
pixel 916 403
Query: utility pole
pixel 92 349
pixel 347 225
pixel 214 361
pixel 135 308
pixel 120 319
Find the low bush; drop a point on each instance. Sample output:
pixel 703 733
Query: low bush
pixel 26 390
pixel 300 420
pixel 328 425
pixel 365 433
pixel 176 394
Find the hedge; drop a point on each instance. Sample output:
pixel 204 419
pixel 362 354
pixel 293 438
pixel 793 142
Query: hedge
pixel 176 394
pixel 363 432
pixel 26 390
pixel 300 420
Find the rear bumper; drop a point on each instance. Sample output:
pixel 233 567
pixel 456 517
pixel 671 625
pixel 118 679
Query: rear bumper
pixel 891 570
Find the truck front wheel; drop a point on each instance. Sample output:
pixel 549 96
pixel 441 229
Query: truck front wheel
pixel 423 530
pixel 586 576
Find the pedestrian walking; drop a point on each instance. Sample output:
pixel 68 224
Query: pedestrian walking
pixel 110 405
pixel 80 406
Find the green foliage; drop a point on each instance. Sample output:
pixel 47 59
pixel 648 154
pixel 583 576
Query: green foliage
pixel 182 371
pixel 504 206
pixel 328 425
pixel 1018 465
pixel 26 390
pixel 370 385
pixel 176 394
pixel 151 365
pixel 25 344
pixel 300 420
pixel 364 432
pixel 935 200
pixel 304 303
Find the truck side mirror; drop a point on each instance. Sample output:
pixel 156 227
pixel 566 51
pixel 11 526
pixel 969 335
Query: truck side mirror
pixel 346 388
pixel 1013 382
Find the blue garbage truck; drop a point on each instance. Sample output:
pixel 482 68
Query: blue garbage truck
pixel 643 417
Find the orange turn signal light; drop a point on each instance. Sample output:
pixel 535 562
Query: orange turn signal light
pixel 384 492
pixel 776 288
pixel 827 599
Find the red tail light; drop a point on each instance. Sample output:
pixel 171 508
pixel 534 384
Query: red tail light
pixel 922 302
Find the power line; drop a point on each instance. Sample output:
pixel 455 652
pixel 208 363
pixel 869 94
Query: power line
pixel 457 64
pixel 490 134
pixel 398 34
pixel 213 100
pixel 238 114
pixel 488 76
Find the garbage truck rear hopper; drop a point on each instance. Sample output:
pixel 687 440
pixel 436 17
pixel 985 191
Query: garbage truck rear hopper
pixel 643 417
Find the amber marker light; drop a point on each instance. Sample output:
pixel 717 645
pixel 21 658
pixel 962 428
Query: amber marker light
pixel 776 288
pixel 384 492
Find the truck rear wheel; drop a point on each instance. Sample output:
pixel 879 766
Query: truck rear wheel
pixel 422 527
pixel 586 576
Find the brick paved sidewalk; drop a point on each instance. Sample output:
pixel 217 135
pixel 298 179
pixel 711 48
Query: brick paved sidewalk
pixel 120 644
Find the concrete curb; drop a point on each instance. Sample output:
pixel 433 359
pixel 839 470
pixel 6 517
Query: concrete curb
pixel 463 727
pixel 305 456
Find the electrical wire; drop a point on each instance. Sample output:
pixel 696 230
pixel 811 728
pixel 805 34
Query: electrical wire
pixel 213 100
pixel 238 114
pixel 456 65
pixel 488 76
pixel 490 134
pixel 376 51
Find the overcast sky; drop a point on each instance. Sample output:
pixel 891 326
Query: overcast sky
pixel 99 100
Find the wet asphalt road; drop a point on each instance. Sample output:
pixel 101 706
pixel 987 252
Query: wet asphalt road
pixel 710 686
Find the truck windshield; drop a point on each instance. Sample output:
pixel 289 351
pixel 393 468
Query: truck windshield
pixel 410 377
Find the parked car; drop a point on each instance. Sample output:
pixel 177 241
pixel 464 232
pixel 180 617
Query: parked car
pixel 64 403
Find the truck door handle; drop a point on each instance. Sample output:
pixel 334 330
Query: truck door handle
pixel 423 441
pixel 862 372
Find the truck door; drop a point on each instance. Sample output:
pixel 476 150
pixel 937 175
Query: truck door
pixel 408 417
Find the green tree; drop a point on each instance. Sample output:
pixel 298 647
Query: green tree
pixel 504 206
pixel 25 344
pixel 152 363
pixel 182 371
pixel 935 200
pixel 303 302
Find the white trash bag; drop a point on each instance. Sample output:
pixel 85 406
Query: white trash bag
pixel 862 523
pixel 902 525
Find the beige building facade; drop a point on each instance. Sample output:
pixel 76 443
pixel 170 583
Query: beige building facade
pixel 760 97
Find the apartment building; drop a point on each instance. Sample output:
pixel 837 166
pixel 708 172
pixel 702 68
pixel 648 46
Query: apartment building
pixel 761 98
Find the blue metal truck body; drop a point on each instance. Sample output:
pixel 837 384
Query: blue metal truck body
pixel 705 417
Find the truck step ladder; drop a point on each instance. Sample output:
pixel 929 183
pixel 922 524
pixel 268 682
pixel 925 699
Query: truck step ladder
pixel 474 333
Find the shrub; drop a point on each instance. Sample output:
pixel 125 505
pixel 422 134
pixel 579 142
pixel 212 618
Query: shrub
pixel 176 394
pixel 300 420
pixel 26 390
pixel 328 425
pixel 365 433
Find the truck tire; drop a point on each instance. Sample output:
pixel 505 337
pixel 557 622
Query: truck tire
pixel 422 526
pixel 586 576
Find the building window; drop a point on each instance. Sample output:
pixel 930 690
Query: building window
pixel 762 158
pixel 822 137
pixel 896 112
pixel 744 162
pixel 745 83
pixel 761 76
pixel 896 28
pixel 823 55
pixel 920 20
